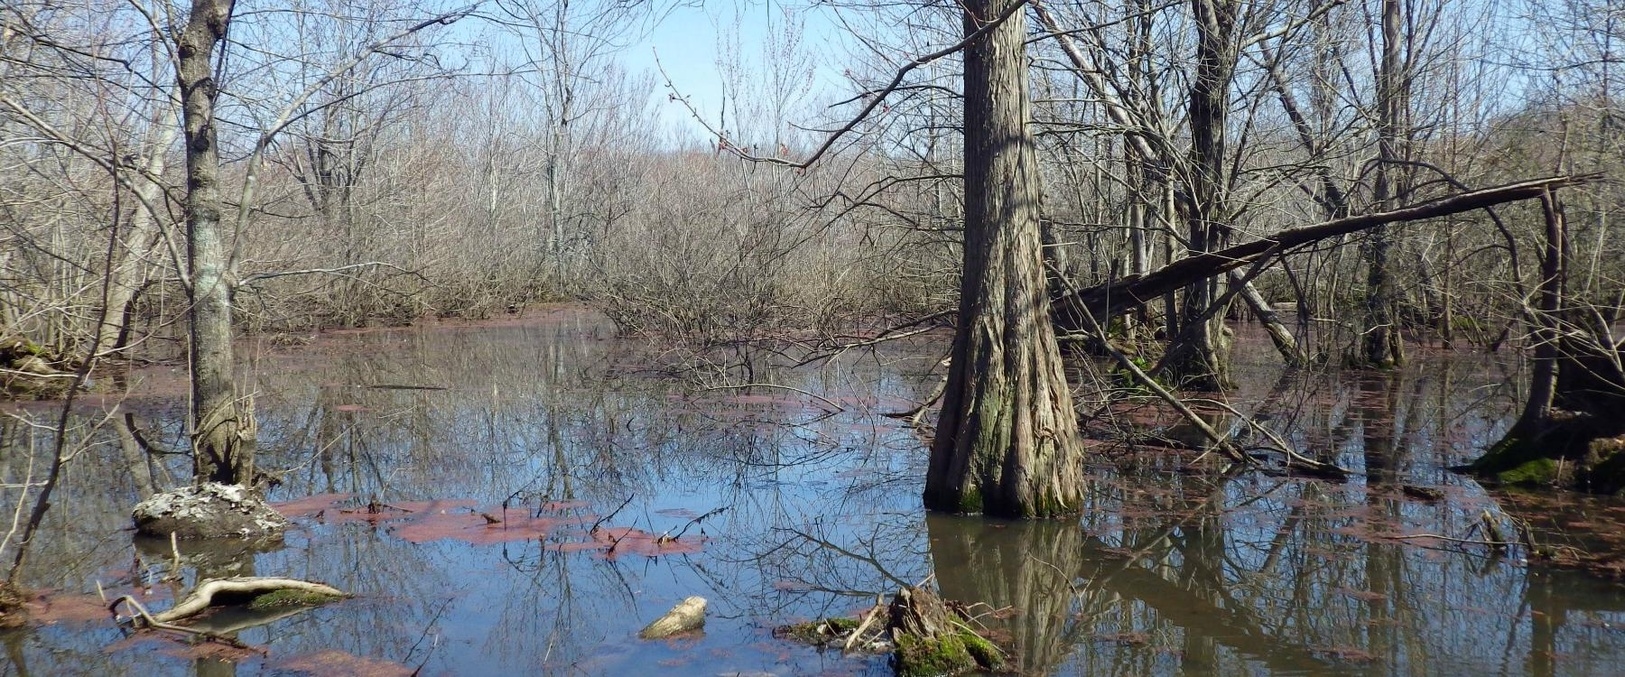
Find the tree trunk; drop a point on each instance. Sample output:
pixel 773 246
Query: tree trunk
pixel 1381 344
pixel 1197 356
pixel 1572 429
pixel 222 426
pixel 1006 443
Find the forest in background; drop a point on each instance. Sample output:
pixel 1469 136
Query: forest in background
pixel 382 163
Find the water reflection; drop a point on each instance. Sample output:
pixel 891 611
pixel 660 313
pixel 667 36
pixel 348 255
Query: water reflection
pixel 1167 572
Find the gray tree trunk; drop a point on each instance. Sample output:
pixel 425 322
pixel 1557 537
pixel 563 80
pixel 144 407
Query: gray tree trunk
pixel 1006 443
pixel 222 425
pixel 1381 345
pixel 1197 356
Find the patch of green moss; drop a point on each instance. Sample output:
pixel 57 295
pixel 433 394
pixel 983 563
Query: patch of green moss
pixel 817 632
pixel 986 653
pixel 971 502
pixel 1535 472
pixel 948 654
pixel 278 599
pixel 945 655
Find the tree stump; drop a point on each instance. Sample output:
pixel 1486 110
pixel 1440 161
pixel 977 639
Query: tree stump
pixel 933 637
pixel 208 510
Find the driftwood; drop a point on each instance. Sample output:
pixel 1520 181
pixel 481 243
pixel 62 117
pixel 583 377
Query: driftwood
pixel 1110 299
pixel 207 592
pixel 688 615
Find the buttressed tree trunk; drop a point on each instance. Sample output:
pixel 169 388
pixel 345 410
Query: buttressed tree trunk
pixel 1006 443
pixel 222 423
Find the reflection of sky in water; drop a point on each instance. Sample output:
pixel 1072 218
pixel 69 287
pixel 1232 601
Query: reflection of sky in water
pixel 1170 573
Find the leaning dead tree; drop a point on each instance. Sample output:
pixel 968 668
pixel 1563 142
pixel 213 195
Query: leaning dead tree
pixel 1072 311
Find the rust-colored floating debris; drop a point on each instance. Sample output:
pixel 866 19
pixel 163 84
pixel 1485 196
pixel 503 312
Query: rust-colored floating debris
pixel 311 505
pixel 614 541
pixel 335 662
pixel 52 607
pixel 476 527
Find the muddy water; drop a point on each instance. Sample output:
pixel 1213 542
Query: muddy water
pixel 396 446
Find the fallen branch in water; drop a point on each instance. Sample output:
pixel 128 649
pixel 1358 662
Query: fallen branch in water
pixel 204 596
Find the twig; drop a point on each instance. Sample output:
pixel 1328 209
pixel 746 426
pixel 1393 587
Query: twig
pixel 663 537
pixel 610 516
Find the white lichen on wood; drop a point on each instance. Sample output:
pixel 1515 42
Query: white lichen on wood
pixel 208 510
pixel 688 615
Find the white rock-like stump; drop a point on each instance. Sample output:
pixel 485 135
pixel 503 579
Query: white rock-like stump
pixel 208 510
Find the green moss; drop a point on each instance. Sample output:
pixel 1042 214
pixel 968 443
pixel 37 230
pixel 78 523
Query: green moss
pixel 948 654
pixel 277 599
pixel 971 502
pixel 1539 471
pixel 817 632
pixel 945 655
pixel 986 653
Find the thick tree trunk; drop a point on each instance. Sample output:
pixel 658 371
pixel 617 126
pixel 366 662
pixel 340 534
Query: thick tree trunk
pixel 222 422
pixel 1006 443
pixel 1572 429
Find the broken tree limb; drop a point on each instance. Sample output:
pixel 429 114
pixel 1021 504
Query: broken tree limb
pixel 689 614
pixel 237 588
pixel 1110 299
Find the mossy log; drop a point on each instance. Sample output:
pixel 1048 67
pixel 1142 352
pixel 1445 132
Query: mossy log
pixel 259 592
pixel 687 616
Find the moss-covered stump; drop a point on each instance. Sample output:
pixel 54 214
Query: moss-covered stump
pixel 1568 450
pixel 934 637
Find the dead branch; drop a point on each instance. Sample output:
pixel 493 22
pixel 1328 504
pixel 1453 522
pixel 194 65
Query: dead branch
pixel 1109 299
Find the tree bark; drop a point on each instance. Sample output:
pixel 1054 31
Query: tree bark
pixel 222 428
pixel 1197 356
pixel 1006 442
pixel 1381 343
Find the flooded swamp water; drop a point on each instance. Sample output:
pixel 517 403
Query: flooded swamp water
pixel 495 497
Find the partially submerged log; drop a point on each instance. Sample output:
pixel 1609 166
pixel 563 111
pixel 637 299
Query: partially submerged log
pixel 208 510
pixel 687 616
pixel 256 592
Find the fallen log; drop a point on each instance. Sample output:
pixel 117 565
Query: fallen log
pixel 688 615
pixel 281 592
pixel 1116 297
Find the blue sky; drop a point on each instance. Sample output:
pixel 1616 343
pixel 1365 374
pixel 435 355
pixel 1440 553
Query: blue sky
pixel 691 40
